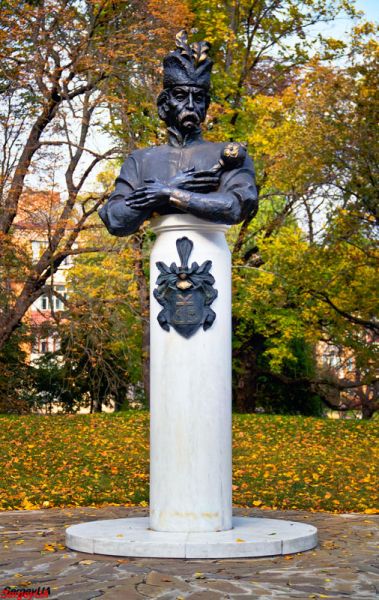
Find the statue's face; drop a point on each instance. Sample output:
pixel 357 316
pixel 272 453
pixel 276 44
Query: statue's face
pixel 186 107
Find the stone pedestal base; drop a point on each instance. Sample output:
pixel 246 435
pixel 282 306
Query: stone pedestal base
pixel 250 537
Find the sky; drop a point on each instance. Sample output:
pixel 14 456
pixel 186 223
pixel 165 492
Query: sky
pixel 370 7
pixel 342 25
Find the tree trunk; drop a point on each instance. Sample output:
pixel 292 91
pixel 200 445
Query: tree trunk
pixel 143 286
pixel 245 384
pixel 97 404
pixel 367 411
pixel 31 146
pixel 11 319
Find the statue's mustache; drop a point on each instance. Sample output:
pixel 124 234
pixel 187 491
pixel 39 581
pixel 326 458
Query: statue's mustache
pixel 189 115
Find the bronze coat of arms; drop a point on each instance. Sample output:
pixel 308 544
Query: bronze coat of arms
pixel 185 293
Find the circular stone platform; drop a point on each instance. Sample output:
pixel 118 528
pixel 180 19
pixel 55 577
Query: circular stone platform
pixel 250 537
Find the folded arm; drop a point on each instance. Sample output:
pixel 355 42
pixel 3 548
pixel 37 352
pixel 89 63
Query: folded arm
pixel 235 199
pixel 119 217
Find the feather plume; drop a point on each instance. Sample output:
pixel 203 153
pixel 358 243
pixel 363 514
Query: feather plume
pixel 181 40
pixel 200 52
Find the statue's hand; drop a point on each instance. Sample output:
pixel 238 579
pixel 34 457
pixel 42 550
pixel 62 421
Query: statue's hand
pixel 196 181
pixel 182 177
pixel 150 196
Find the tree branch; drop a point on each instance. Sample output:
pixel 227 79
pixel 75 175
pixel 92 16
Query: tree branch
pixel 372 325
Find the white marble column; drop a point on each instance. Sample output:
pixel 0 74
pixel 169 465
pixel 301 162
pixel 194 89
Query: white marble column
pixel 190 397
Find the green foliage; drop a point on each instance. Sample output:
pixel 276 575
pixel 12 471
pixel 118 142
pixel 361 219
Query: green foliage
pixel 15 375
pixel 289 392
pixel 53 388
pixel 102 340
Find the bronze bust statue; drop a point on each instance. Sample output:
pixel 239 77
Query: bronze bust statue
pixel 212 181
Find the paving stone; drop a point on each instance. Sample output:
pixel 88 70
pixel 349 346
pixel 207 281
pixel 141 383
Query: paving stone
pixel 344 588
pixel 74 578
pixel 126 591
pixel 98 572
pixel 173 595
pixel 78 595
pixel 155 578
pixel 153 591
pixel 224 586
pixel 252 594
pixel 158 583
pixel 205 595
pixel 84 591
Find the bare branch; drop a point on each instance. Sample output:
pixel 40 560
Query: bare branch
pixel 73 145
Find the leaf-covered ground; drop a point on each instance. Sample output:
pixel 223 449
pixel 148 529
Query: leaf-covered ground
pixel 279 462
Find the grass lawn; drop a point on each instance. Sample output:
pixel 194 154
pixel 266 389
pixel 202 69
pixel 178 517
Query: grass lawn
pixel 279 462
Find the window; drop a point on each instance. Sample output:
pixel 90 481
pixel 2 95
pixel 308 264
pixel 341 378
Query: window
pixel 45 302
pixel 47 344
pixel 49 303
pixel 58 302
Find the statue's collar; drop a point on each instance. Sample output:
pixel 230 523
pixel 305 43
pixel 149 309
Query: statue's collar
pixel 175 138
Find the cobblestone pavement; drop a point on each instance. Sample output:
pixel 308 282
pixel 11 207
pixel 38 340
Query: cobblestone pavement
pixel 344 565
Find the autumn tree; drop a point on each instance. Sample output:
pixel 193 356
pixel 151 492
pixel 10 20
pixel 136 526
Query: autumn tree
pixel 61 63
pixel 308 263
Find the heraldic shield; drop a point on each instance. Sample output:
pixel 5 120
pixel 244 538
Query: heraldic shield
pixel 185 293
